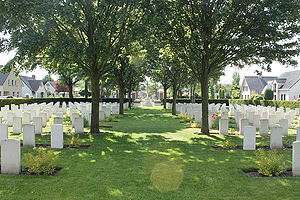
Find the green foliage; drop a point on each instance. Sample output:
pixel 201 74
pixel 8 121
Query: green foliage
pixel 215 123
pixel 86 123
pixel 112 118
pixel 235 92
pixel 221 93
pixel 74 141
pixel 269 94
pixel 228 143
pixel 41 162
pixel 270 163
pixel 47 78
pixel 277 104
pixel 236 78
pixel 185 118
pixel 256 97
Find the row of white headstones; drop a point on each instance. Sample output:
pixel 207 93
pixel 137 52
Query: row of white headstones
pixel 278 121
pixel 34 118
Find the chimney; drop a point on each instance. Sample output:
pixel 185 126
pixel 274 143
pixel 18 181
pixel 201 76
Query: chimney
pixel 33 76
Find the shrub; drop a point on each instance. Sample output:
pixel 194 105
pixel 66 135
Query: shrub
pixel 228 143
pixel 195 125
pixel 270 163
pixel 42 162
pixel 185 118
pixel 256 97
pixel 75 141
pixel 215 122
pixel 269 94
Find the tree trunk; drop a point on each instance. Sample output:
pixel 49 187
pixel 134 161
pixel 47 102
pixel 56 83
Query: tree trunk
pixel 129 98
pixel 70 86
pixel 205 97
pixel 165 97
pixel 86 89
pixel 121 100
pixel 194 95
pixel 174 100
pixel 95 86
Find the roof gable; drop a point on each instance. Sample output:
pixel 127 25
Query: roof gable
pixel 291 78
pixel 258 83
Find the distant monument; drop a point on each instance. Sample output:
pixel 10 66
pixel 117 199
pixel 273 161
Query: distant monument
pixel 147 101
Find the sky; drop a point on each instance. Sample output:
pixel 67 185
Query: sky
pixel 277 69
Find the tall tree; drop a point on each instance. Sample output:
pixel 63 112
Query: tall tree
pixel 236 78
pixel 212 34
pixel 90 32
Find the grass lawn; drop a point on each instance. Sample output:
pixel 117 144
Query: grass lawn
pixel 150 155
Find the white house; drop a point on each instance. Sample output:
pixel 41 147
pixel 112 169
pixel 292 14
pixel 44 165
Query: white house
pixel 285 87
pixel 254 85
pixel 10 84
pixel 33 87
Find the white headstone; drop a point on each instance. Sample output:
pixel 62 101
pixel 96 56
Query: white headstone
pixel 10 156
pixel 296 159
pixel 28 135
pixel 284 123
pixel 264 127
pixel 243 124
pixel 223 126
pixel 57 136
pixel 58 120
pixel 298 134
pixel 17 125
pixel 3 131
pixel 249 142
pixel 276 138
pixel 37 122
pixel 78 125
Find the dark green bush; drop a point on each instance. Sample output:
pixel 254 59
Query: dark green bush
pixel 269 94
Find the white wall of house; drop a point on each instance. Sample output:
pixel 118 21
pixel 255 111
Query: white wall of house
pixel 294 92
pixel 26 90
pixel 41 92
pixel 283 95
pixel 12 86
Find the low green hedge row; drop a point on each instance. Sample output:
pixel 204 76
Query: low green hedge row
pixel 18 101
pixel 277 104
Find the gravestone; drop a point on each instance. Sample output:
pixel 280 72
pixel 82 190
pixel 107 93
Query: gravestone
pixel 249 142
pixel 223 126
pixel 78 125
pixel 17 125
pixel 57 136
pixel 285 126
pixel 243 123
pixel 298 134
pixel 276 138
pixel 10 156
pixel 58 120
pixel 264 127
pixel 3 131
pixel 296 159
pixel 37 122
pixel 28 135
pixel 256 121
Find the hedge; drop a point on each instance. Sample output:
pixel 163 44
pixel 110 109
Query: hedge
pixel 277 104
pixel 272 103
pixel 18 101
pixel 185 100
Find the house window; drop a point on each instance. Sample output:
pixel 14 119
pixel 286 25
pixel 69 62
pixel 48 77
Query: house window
pixel 13 93
pixel 283 97
pixel 17 94
pixel 0 93
pixel 15 82
pixel 8 82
